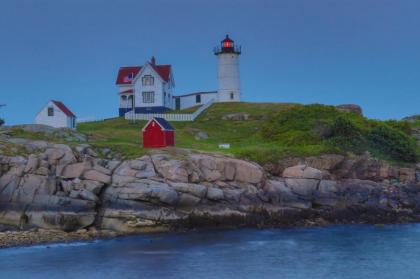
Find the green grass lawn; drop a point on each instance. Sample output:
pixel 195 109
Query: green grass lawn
pixel 273 130
pixel 125 136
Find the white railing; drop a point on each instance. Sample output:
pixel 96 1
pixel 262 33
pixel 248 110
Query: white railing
pixel 169 116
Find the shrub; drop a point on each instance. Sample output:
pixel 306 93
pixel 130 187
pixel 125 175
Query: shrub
pixel 393 142
pixel 403 126
pixel 1 122
pixel 346 135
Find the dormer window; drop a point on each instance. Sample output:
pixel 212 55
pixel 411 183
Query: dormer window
pixel 50 111
pixel 148 80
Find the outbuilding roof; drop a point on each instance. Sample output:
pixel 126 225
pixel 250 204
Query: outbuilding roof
pixel 161 122
pixel 63 108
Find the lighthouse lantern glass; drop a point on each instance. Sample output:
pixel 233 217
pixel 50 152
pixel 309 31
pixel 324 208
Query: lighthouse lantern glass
pixel 227 44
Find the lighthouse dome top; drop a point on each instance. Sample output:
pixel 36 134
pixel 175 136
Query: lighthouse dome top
pixel 227 45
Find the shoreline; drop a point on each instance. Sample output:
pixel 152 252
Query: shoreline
pixel 34 237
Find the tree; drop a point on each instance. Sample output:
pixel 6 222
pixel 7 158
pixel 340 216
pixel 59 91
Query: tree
pixel 1 122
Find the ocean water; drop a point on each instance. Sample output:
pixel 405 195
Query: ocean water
pixel 360 251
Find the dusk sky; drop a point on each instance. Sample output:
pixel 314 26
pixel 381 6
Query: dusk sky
pixel 365 52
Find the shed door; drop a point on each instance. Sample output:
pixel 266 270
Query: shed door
pixel 178 103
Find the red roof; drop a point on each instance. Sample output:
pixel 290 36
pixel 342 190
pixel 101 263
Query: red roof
pixel 126 74
pixel 63 108
pixel 163 70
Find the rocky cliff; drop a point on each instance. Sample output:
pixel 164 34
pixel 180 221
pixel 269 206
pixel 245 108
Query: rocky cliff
pixel 69 188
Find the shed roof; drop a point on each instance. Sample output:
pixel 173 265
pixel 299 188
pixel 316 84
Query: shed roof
pixel 63 108
pixel 161 122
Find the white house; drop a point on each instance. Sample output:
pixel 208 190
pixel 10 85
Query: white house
pixel 57 115
pixel 146 89
pixel 149 88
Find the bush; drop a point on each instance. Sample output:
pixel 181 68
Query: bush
pixel 1 122
pixel 346 135
pixel 403 126
pixel 299 118
pixel 393 142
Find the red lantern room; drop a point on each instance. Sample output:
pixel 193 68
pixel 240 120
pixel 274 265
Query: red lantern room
pixel 227 43
pixel 227 46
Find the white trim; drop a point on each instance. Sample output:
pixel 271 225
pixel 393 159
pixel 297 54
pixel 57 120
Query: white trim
pixel 133 81
pixel 148 122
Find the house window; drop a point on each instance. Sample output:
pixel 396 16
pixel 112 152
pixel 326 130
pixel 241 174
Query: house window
pixel 197 99
pixel 231 95
pixel 148 80
pixel 50 111
pixel 148 97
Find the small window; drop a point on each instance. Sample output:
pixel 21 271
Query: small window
pixel 50 111
pixel 148 80
pixel 148 97
pixel 197 99
pixel 232 95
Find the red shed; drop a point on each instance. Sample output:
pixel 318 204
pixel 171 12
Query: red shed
pixel 158 133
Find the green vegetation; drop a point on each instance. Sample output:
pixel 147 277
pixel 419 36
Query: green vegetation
pixel 272 131
pixel 1 122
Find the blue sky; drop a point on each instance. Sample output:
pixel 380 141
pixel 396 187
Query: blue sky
pixel 326 51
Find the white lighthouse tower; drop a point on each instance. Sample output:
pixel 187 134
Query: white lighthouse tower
pixel 228 71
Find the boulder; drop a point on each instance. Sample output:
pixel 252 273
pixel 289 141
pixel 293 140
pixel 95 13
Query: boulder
pixel 172 169
pixel 187 200
pixel 97 176
pixel 54 154
pixel 190 188
pixel 200 135
pixel 90 185
pixel 352 108
pixel 102 169
pixel 248 172
pixel 301 186
pixel 240 116
pixel 208 167
pixel 33 163
pixel 277 191
pixel 75 170
pixel 326 194
pixel 302 171
pixel 88 195
pixel 119 180
pixel 148 190
pixel 215 194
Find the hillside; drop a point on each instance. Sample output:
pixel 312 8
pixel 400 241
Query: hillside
pixel 266 132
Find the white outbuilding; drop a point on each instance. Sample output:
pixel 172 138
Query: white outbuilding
pixel 57 115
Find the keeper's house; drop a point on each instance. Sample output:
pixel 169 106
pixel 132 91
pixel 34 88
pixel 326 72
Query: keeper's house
pixel 57 115
pixel 150 88
pixel 154 84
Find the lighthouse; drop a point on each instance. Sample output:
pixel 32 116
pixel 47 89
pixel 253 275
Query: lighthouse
pixel 228 71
